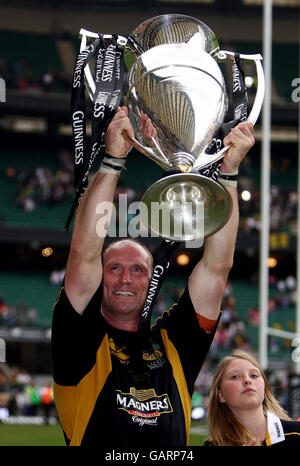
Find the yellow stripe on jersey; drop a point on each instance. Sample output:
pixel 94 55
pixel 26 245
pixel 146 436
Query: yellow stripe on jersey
pixel 268 439
pixel 58 297
pixel 75 405
pixel 65 401
pixel 179 377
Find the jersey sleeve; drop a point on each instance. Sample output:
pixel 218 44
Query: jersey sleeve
pixel 75 338
pixel 183 330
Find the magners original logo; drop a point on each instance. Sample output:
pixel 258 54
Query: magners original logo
pixel 144 403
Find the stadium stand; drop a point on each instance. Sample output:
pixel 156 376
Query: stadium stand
pixel 285 57
pixel 23 46
pixel 34 291
pixel 46 212
pixel 14 165
pixel 28 66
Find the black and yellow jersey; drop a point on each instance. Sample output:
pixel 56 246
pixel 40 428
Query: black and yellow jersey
pixel 100 402
pixel 290 435
pixel 280 433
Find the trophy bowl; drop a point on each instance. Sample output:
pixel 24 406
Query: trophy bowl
pixel 176 98
pixel 175 29
pixel 181 92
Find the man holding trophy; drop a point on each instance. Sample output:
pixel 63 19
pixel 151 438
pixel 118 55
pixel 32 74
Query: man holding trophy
pixel 117 383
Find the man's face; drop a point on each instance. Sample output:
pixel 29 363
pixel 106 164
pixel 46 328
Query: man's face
pixel 126 275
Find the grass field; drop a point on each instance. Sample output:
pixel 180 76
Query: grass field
pixel 31 435
pixel 49 435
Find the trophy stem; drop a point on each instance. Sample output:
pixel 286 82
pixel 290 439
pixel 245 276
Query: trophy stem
pixel 182 160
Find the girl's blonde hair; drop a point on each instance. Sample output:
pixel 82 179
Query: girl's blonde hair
pixel 224 427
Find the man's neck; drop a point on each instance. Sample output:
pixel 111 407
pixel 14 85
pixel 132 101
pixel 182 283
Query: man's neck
pixel 128 326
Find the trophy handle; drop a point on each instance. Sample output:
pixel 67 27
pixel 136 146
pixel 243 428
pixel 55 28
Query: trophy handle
pixel 260 92
pixel 91 88
pixel 90 84
pixel 207 159
pixel 148 151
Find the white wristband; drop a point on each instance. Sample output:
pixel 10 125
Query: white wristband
pixel 228 179
pixel 112 165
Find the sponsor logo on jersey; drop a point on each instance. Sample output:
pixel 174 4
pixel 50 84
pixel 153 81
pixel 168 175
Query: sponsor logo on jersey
pixel 154 360
pixel 144 404
pixel 152 356
pixel 118 352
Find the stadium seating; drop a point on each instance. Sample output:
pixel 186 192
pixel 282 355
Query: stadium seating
pixel 10 214
pixel 32 288
pixel 140 173
pixel 21 52
pixel 247 296
pixel 284 64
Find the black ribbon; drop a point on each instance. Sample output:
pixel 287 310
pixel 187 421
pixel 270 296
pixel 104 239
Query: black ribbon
pixel 238 113
pixel 161 266
pixel 144 342
pixel 109 79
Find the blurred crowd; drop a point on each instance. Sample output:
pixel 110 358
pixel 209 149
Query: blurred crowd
pixel 20 75
pixel 20 395
pixel 17 315
pixel 42 186
pixel 283 211
pixel 20 315
pixel 232 331
pixel 282 296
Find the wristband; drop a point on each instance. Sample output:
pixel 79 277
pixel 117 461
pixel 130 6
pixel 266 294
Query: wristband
pixel 228 179
pixel 112 165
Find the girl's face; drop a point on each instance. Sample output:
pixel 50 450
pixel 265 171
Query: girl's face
pixel 242 386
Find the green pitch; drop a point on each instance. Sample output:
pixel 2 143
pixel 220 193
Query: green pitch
pixel 28 435
pixel 48 435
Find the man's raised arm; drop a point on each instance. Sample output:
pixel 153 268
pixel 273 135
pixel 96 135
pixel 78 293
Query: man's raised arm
pixel 208 279
pixel 84 268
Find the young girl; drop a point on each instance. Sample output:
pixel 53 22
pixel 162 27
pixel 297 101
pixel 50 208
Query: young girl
pixel 242 409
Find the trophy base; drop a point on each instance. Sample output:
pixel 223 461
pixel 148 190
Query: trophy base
pixel 185 207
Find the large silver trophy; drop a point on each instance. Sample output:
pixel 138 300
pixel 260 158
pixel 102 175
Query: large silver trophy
pixel 176 98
